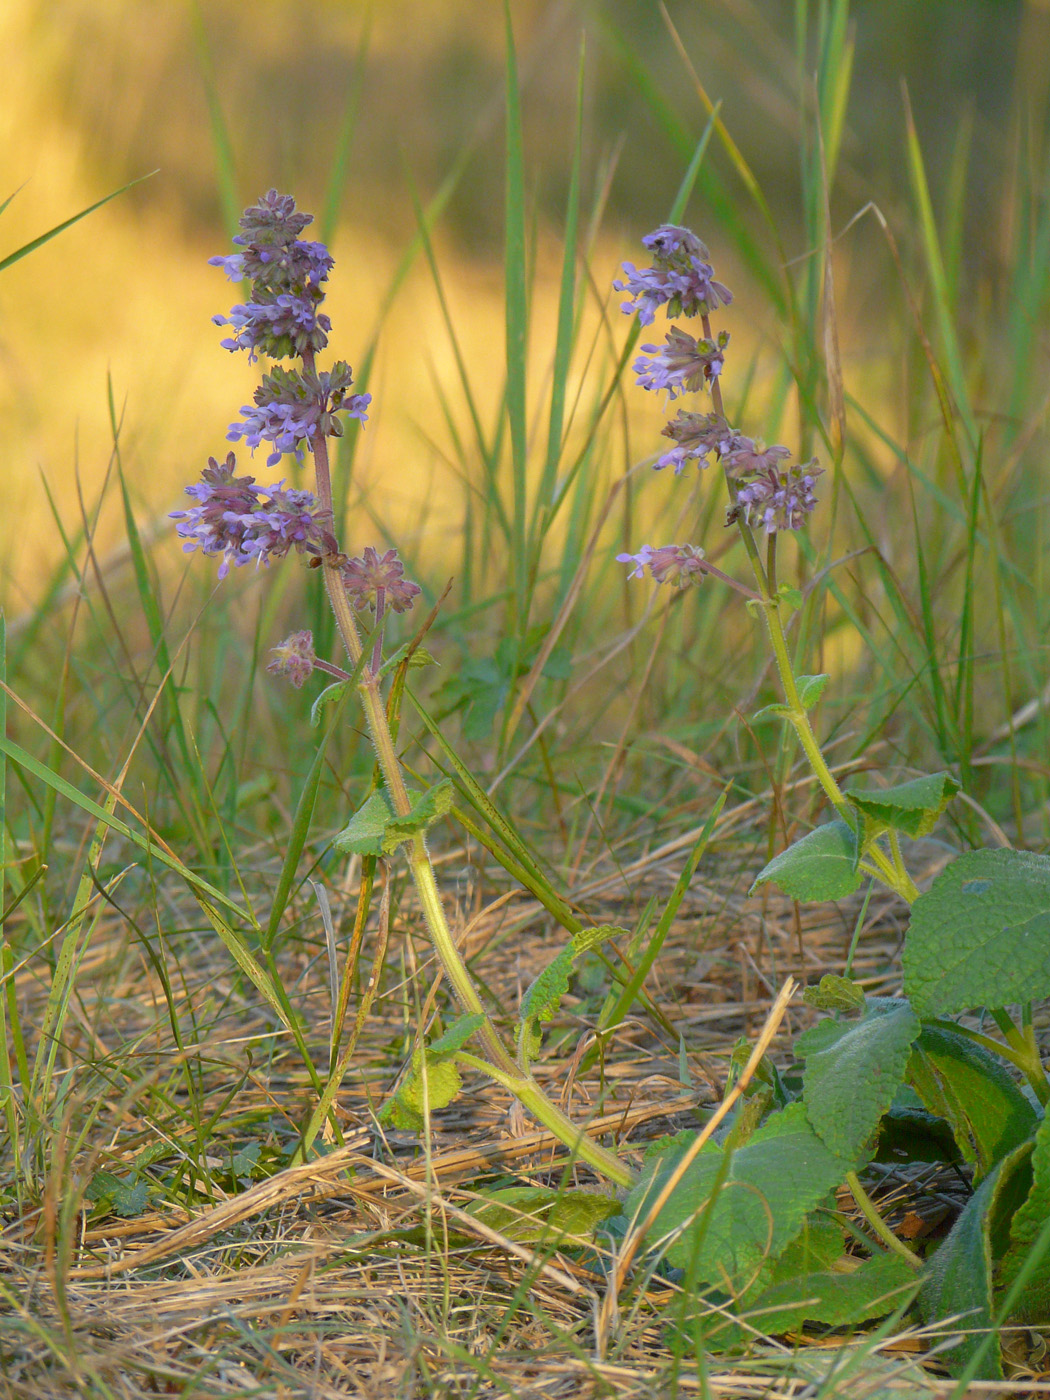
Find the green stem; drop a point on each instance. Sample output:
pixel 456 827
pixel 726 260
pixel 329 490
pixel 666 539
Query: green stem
pixel 551 1116
pixel 500 1063
pixel 870 1212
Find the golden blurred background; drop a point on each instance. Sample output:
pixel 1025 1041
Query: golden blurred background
pixel 97 93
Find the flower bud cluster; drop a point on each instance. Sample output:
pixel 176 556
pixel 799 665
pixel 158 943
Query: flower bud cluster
pixel 765 490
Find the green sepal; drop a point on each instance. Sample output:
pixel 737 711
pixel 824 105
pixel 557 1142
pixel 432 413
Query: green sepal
pixel 375 829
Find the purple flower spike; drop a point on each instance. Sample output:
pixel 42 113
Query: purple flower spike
pixel 681 278
pixel 375 579
pixel 287 273
pixel 294 658
pixel 682 364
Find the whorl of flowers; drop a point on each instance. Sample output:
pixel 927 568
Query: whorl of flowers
pixel 250 524
pixel 294 658
pixel 765 490
pixel 377 581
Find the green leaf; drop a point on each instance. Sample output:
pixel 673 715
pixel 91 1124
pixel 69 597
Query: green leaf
pixel 418 658
pixel 980 936
pixel 542 1214
pixel 1025 1227
pixel 794 599
pixel 848 1086
pixel 912 807
pixel 835 1297
pixel 117 1195
pixel 959 1278
pixel 835 994
pixel 822 865
pixel 543 996
pixel 810 689
pixel 328 696
pixel 974 1092
pixel 780 1174
pixel 375 830
pixel 442 1085
pixel 456 1036
pixel 777 708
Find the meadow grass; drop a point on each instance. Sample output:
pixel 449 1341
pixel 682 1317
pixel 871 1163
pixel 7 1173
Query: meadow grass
pixel 189 967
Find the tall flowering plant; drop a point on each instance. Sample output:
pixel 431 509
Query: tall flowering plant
pixel 768 492
pixel 297 410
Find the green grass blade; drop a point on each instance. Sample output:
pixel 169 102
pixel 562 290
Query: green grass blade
pixel 35 243
pixel 516 311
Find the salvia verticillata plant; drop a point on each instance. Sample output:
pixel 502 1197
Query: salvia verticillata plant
pixel 297 409
pixel 883 1079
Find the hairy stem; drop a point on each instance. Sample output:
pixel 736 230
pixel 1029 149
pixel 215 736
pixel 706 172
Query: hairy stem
pixel 500 1063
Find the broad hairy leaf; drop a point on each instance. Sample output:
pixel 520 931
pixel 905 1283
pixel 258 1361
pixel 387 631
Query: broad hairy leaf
pixel 911 807
pixel 980 936
pixel 959 1276
pixel 1025 1228
pixel 442 1085
pixel 835 994
pixel 456 1036
pixel 772 1183
pixel 534 1214
pixel 848 1086
pixel 376 830
pixel 853 1293
pixel 543 996
pixel 973 1092
pixel 822 865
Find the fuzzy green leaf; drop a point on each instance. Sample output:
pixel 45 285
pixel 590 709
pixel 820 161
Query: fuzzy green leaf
pixel 542 1214
pixel 1025 1227
pixel 780 1174
pixel 980 936
pixel 375 830
pixel 848 1086
pixel 912 807
pixel 835 1297
pixel 974 1093
pixel 810 689
pixel 455 1036
pixel 777 709
pixel 835 994
pixel 822 865
pixel 443 1083
pixel 328 696
pixel 959 1276
pixel 117 1195
pixel 543 996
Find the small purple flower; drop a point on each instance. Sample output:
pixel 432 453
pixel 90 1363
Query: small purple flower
pixel 681 277
pixel 233 519
pixel 682 364
pixel 697 436
pixel 292 408
pixel 780 498
pixel 639 561
pixel 671 563
pixel 294 658
pixel 377 581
